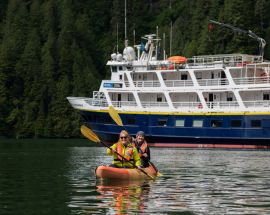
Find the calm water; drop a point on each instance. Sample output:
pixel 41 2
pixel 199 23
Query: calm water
pixel 58 178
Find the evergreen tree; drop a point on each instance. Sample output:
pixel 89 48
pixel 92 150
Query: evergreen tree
pixel 12 46
pixel 53 49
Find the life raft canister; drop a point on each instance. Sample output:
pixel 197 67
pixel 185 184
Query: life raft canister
pixel 177 59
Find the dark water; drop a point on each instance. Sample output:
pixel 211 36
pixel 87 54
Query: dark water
pixel 58 178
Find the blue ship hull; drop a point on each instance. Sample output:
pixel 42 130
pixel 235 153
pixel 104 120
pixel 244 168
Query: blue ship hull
pixel 231 131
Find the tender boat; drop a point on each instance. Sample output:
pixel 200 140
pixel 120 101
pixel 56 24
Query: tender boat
pixel 107 172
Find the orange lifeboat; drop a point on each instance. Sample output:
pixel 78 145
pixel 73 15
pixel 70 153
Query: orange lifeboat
pixel 177 59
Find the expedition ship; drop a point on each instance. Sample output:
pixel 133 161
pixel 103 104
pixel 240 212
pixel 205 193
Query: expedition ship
pixel 210 101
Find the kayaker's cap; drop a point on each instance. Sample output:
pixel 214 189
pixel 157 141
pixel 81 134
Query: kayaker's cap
pixel 140 133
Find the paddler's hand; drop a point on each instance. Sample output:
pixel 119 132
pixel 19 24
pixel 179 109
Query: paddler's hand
pixel 145 155
pixel 113 151
pixel 140 167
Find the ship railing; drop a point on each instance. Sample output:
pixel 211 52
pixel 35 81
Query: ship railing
pixel 252 80
pixel 187 105
pixel 211 105
pixel 178 83
pixel 222 104
pixel 165 65
pixel 96 102
pixel 257 104
pixel 154 104
pixel 213 82
pixel 98 95
pixel 124 103
pixel 227 60
pixel 146 83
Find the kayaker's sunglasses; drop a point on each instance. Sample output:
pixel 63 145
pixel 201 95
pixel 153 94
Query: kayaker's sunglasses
pixel 123 137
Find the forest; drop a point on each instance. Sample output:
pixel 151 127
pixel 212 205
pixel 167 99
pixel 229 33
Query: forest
pixel 51 49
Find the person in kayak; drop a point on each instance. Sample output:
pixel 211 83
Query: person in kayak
pixel 143 149
pixel 129 154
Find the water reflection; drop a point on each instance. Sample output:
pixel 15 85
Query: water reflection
pixel 124 196
pixel 55 179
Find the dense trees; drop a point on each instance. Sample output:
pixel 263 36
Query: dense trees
pixel 53 49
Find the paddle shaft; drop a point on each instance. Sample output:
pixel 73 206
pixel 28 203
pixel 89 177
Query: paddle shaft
pixel 104 144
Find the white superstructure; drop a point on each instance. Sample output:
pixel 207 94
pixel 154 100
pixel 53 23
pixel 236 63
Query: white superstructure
pixel 210 83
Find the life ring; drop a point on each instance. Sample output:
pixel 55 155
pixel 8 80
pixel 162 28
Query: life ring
pixel 264 76
pixel 200 106
pixel 171 67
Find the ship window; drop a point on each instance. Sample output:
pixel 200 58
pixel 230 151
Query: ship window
pixel 199 75
pixel 162 122
pixel 184 77
pixel 131 121
pixel 180 123
pixel 130 97
pixel 114 69
pixel 159 98
pixel 216 123
pixel 256 123
pixel 120 77
pixel 236 123
pixel 197 123
pixel 144 77
pixel 266 97
pixel 120 68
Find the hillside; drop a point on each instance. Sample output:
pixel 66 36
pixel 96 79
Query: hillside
pixel 53 49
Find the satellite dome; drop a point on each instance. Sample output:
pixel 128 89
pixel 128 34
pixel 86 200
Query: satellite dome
pixel 129 53
pixel 113 56
pixel 119 57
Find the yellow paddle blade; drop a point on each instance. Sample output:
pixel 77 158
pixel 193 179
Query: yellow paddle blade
pixel 115 116
pixel 159 174
pixel 89 134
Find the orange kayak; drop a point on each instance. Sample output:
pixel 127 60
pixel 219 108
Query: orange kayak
pixel 107 172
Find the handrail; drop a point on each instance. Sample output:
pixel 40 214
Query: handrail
pixel 252 80
pixel 185 105
pixel 213 82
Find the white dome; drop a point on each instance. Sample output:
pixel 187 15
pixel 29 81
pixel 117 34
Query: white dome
pixel 129 53
pixel 119 57
pixel 113 56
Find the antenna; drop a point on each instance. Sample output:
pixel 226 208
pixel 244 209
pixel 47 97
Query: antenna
pixel 157 45
pixel 171 40
pixel 126 41
pixel 171 31
pixel 164 52
pixel 134 37
pixel 117 38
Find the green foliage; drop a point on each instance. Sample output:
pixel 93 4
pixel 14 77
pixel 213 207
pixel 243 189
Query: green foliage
pixel 53 49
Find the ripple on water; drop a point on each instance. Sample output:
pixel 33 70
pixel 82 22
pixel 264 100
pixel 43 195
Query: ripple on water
pixel 203 182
